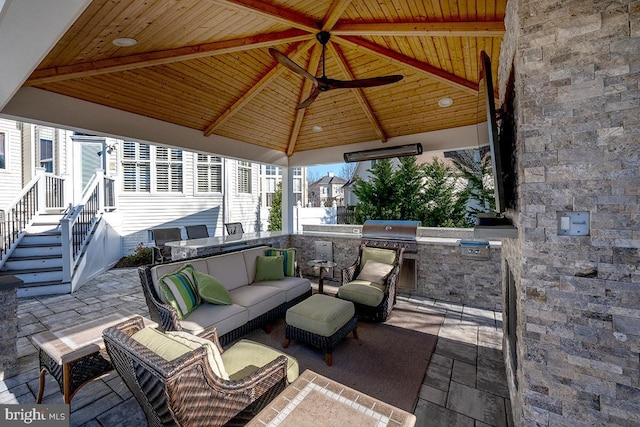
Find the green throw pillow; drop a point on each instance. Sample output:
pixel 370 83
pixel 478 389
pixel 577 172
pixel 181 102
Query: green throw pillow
pixel 269 268
pixel 290 263
pixel 181 291
pixel 211 290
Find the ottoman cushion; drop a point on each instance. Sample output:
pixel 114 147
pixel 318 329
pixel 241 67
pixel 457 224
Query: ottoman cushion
pixel 320 314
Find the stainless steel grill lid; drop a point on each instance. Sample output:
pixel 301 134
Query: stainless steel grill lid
pixel 391 233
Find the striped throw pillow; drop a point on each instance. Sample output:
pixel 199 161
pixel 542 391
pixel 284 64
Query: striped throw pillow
pixel 290 262
pixel 181 291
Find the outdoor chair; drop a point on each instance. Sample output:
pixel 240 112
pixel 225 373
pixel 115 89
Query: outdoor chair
pixel 197 231
pixel 234 228
pixel 160 237
pixel 371 282
pixel 187 380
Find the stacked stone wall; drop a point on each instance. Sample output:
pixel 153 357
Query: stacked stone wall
pixel 577 77
pixel 442 273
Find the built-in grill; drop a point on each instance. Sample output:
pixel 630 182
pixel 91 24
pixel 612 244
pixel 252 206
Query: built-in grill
pixel 391 234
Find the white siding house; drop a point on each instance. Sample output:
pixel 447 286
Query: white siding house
pixel 157 186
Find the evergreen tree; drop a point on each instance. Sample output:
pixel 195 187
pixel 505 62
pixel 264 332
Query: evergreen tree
pixel 378 197
pixel 445 204
pixel 275 213
pixel 409 186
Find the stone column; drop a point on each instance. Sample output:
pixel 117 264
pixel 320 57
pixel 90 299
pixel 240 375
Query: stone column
pixel 8 326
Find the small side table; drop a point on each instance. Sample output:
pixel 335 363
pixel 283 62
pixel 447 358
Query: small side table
pixel 324 266
pixel 76 354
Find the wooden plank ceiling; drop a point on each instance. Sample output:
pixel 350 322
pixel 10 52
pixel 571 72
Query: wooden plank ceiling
pixel 204 64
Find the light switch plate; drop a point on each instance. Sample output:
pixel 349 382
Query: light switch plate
pixel 573 223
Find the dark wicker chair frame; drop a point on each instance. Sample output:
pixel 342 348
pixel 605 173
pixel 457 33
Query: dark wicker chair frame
pixel 167 317
pixel 161 236
pixel 383 310
pixel 185 391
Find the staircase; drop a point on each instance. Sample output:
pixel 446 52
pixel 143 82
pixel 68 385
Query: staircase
pixel 37 260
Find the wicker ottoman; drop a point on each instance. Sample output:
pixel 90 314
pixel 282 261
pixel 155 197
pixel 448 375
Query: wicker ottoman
pixel 321 321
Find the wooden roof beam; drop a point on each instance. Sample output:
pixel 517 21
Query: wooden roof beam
pixel 279 14
pixel 334 13
pixel 422 29
pixel 359 94
pixel 403 60
pixel 307 86
pixel 256 89
pixel 143 60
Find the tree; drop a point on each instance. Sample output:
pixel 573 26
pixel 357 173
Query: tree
pixel 429 193
pixel 478 173
pixel 274 222
pixel 347 170
pixel 445 201
pixel 378 196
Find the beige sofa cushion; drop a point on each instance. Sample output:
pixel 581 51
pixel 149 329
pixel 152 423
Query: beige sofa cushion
pixel 293 286
pixel 258 299
pixel 226 318
pixel 229 269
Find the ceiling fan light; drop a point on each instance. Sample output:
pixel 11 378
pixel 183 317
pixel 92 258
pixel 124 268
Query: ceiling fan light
pixel 125 42
pixel 383 153
pixel 445 102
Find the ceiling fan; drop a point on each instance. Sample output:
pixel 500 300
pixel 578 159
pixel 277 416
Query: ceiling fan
pixel 323 84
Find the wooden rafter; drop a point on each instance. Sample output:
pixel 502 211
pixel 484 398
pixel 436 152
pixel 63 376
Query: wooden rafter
pixel 422 29
pixel 358 93
pixel 334 13
pixel 279 14
pixel 168 56
pixel 435 73
pixel 307 86
pixel 256 89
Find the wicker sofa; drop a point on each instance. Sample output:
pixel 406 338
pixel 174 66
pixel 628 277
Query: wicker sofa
pixel 254 304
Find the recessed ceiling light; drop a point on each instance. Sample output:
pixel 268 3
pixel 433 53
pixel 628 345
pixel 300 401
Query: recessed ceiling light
pixel 317 128
pixel 125 42
pixel 445 102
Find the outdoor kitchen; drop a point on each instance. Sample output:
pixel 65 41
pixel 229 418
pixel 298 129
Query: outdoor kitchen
pixel 435 264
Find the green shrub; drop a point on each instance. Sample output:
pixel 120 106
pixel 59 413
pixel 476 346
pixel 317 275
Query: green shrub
pixel 142 256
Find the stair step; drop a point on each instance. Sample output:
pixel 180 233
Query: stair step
pixel 31 263
pixel 36 275
pixel 44 289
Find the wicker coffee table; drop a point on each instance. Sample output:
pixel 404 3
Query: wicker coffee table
pixel 76 355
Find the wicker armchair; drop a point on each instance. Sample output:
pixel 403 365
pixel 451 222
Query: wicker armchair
pixel 186 391
pixel 380 312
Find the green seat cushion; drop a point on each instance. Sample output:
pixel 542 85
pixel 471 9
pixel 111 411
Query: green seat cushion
pixel 160 344
pixel 320 314
pixel 290 263
pixel 374 271
pixel 362 292
pixel 269 268
pixel 246 357
pixel 211 290
pixel 180 290
pixel 213 353
pixel 385 256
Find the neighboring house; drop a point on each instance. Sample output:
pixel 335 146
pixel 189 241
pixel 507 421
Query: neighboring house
pixel 324 191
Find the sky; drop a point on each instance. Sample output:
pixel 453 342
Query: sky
pixel 323 170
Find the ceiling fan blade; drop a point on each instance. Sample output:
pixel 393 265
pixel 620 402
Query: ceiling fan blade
pixel 374 81
pixel 310 99
pixel 284 60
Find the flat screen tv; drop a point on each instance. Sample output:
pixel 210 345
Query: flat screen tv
pixel 487 129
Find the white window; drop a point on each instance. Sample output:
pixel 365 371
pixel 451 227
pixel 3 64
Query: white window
pixel 136 166
pixel 3 150
pixel 168 170
pixel 297 185
pixel 209 174
pixel 46 154
pixel 272 170
pixel 244 177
